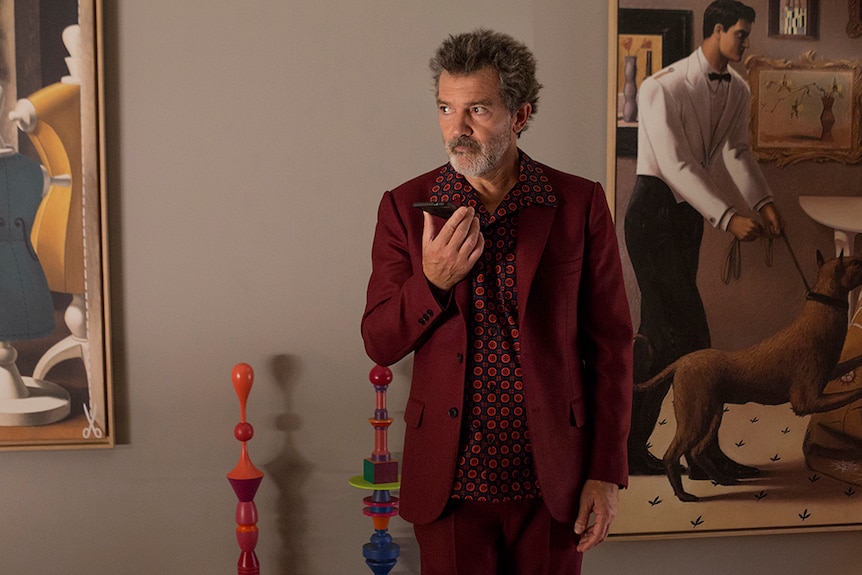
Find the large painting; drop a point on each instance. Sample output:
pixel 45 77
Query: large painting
pixel 55 376
pixel 796 448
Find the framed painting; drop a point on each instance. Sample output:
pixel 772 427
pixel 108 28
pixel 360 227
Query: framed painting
pixel 647 41
pixel 794 19
pixel 805 109
pixel 787 472
pixel 55 368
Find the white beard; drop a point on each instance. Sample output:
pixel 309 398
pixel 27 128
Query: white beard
pixel 480 159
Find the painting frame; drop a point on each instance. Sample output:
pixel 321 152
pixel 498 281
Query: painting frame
pixel 801 26
pixel 854 18
pixel 54 87
pixel 784 96
pixel 791 498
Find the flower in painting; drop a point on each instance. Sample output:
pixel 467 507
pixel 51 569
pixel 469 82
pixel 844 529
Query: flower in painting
pixel 834 89
pixel 795 96
pixel 627 44
pixel 795 108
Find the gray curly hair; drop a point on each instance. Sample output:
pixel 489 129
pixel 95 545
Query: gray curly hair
pixel 471 52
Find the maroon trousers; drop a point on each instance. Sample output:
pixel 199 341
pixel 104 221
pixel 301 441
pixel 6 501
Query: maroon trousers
pixel 510 538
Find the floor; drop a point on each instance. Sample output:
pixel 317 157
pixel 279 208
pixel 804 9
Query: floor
pixel 786 496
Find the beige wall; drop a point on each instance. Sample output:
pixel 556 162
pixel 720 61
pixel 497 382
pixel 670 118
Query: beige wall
pixel 248 146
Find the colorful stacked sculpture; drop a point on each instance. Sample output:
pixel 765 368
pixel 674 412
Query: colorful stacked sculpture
pixel 245 478
pixel 380 476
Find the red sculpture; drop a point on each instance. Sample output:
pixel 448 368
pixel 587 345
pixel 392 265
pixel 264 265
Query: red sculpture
pixel 245 478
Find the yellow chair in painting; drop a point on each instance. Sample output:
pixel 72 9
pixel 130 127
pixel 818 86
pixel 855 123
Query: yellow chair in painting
pixel 51 117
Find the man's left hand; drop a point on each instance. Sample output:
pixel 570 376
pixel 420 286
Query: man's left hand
pixel 601 499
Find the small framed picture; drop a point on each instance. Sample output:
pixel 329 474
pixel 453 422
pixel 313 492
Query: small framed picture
pixel 806 109
pixel 794 19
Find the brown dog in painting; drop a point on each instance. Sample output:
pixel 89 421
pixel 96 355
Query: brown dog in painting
pixel 793 366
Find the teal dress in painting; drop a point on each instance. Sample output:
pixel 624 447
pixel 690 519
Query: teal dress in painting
pixel 26 308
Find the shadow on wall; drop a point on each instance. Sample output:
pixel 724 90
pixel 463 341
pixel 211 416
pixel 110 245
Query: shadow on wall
pixel 289 472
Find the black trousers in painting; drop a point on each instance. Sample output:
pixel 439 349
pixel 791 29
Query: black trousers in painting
pixel 663 239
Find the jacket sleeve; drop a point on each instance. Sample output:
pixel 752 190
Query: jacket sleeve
pixel 741 163
pixel 605 342
pixel 400 306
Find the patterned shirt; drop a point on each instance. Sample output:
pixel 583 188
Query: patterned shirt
pixel 495 460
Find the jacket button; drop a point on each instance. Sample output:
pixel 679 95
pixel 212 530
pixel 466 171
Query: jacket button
pixel 421 321
pixel 453 412
pixel 460 358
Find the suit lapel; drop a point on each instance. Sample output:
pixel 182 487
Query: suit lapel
pixel 698 93
pixel 534 226
pixel 734 95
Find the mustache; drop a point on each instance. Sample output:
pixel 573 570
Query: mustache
pixel 463 142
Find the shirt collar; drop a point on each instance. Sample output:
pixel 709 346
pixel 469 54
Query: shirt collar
pixel 706 68
pixel 532 187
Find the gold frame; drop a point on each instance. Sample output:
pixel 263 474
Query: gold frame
pixel 80 365
pixel 805 109
pixel 785 500
pixel 854 18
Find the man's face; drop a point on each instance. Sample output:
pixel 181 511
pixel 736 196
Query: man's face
pixel 733 42
pixel 477 128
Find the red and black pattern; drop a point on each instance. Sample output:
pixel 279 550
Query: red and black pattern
pixel 495 461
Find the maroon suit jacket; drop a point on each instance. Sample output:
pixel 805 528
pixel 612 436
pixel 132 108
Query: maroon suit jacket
pixel 575 333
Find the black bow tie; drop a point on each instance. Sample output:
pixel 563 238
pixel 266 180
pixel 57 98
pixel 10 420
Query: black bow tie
pixel 720 77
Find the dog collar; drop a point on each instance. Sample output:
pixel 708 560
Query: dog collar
pixel 841 304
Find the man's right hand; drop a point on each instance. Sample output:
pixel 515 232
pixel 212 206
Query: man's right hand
pixel 744 228
pixel 448 254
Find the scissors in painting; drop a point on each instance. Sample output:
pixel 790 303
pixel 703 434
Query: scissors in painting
pixel 91 420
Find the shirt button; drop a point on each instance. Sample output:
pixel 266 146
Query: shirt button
pixel 453 412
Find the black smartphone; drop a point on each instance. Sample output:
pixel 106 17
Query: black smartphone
pixel 439 209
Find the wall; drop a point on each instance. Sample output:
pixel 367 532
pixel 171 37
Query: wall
pixel 248 145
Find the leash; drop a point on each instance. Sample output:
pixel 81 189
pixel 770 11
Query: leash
pixel 733 260
pixel 795 261
pixel 733 270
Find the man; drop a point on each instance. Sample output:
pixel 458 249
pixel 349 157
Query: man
pixel 516 313
pixel 691 114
